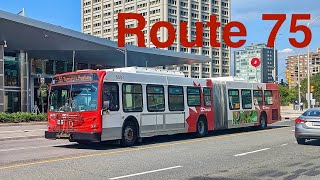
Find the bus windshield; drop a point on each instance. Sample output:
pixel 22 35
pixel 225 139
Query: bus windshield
pixel 74 98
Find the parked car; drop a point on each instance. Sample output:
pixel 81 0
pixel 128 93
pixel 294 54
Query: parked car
pixel 307 126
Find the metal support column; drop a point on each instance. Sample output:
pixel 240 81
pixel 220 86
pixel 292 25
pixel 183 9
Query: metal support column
pixel 2 79
pixel 22 59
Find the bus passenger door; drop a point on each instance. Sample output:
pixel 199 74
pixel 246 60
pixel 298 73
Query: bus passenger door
pixel 111 117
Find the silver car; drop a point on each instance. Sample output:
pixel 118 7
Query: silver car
pixel 308 126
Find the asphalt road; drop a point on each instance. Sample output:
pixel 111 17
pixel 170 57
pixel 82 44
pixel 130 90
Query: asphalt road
pixel 233 154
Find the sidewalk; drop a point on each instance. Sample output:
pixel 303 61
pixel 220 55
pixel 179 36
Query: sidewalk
pixel 22 131
pixel 287 112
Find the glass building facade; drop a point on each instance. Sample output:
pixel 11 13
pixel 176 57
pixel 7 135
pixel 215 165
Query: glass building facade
pixel 35 69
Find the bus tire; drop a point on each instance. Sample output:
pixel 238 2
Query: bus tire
pixel 202 127
pixel 129 134
pixel 263 122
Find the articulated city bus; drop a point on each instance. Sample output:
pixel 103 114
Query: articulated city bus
pixel 127 104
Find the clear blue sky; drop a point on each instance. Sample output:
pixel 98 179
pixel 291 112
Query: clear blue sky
pixel 67 13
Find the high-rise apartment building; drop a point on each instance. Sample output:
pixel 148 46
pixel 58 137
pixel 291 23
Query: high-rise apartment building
pixel 262 73
pixel 292 67
pixel 100 18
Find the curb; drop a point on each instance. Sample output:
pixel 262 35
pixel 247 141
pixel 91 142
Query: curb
pixel 23 124
pixel 20 138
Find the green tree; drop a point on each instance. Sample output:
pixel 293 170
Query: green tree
pixel 290 95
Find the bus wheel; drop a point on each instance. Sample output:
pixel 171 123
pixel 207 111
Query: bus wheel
pixel 202 127
pixel 263 122
pixel 129 134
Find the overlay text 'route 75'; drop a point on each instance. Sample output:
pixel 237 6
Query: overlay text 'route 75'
pixel 213 25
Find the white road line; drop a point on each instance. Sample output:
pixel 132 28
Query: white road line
pixel 284 144
pixel 24 148
pixel 147 172
pixel 2 132
pixel 242 154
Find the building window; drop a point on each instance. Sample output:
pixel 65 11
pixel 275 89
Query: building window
pixel 194 96
pixel 11 71
pixel 12 102
pixel 60 67
pixel 81 66
pixel 36 66
pixel 132 98
pixel 176 102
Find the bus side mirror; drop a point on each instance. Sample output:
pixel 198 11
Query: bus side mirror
pixel 106 105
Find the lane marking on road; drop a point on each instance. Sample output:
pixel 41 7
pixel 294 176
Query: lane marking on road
pixel 284 144
pixel 132 149
pixel 146 172
pixel 30 147
pixel 251 152
pixel 3 132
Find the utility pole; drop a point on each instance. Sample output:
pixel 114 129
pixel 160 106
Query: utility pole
pixel 308 67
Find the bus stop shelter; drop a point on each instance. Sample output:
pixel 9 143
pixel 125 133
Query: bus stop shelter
pixel 26 39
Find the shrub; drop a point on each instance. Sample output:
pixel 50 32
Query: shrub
pixel 21 117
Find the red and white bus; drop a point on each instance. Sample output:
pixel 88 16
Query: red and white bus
pixel 127 104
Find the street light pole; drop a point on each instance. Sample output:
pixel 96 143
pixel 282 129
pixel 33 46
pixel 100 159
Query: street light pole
pixel 124 51
pixel 299 86
pixel 308 67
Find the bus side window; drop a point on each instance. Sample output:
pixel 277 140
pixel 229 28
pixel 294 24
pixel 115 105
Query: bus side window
pixel 246 97
pixel 176 98
pixel 111 94
pixel 268 97
pixel 257 97
pixel 155 98
pixel 132 98
pixel 207 96
pixel 193 96
pixel 234 99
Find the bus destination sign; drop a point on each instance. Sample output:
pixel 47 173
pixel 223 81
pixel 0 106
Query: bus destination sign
pixel 74 78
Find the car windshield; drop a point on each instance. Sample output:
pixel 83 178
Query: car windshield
pixel 314 113
pixel 74 98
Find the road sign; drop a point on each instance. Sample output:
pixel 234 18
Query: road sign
pixel 255 62
pixel 311 96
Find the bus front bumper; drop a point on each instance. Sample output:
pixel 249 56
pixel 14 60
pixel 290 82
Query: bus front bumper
pixel 74 136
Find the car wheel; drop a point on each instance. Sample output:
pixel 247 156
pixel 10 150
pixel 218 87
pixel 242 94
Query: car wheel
pixel 301 141
pixel 129 134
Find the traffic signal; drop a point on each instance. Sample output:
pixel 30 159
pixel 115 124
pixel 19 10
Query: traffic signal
pixel 288 76
pixel 312 89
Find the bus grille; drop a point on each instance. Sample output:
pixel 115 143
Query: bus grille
pixel 275 114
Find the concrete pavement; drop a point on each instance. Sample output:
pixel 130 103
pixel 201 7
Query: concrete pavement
pixel 21 131
pixel 233 154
